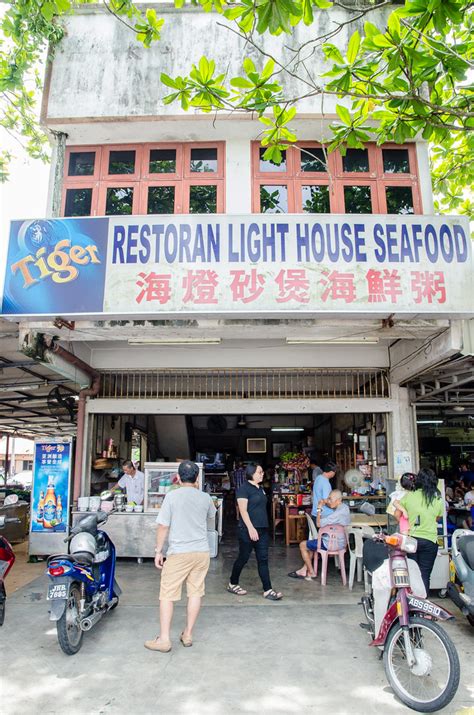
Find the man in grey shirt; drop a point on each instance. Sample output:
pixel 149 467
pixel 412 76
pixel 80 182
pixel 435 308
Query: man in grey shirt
pixel 183 519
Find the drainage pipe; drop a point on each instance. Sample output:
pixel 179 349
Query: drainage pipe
pixel 91 391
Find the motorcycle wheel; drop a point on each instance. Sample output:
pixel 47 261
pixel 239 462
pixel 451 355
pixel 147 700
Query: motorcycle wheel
pixel 432 682
pixel 69 631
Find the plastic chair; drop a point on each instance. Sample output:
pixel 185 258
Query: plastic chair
pixel 312 528
pixel 334 533
pixel 355 548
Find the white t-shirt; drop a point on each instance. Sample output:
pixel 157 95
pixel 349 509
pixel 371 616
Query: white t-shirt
pixel 135 486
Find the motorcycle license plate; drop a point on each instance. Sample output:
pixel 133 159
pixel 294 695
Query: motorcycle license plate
pixel 57 591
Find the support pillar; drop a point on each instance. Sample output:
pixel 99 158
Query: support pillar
pixel 404 452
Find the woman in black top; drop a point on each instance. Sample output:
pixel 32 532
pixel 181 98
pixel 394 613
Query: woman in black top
pixel 253 532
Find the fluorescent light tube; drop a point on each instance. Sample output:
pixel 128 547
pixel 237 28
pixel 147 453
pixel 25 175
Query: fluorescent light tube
pixel 332 341
pixel 429 422
pixel 287 429
pixel 174 341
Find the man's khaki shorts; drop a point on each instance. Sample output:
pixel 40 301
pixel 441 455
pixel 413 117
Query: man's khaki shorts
pixel 179 568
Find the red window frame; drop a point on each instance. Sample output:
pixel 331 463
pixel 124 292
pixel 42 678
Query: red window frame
pixel 336 177
pixel 102 200
pixel 178 194
pixel 108 149
pixel 203 182
pixel 161 176
pixel 182 179
pixel 82 150
pixel 310 181
pixel 219 174
pixel 82 185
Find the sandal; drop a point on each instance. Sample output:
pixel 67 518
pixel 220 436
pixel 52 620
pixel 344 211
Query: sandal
pixel 273 596
pixel 295 574
pixel 236 590
pixel 187 642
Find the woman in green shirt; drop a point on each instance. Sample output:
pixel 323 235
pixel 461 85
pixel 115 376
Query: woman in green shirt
pixel 422 508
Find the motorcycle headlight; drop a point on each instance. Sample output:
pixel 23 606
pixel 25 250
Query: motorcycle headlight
pixel 409 544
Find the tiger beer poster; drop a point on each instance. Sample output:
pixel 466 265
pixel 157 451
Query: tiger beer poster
pixel 51 484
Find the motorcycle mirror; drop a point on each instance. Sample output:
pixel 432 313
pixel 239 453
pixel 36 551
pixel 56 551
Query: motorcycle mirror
pixel 367 509
pixel 106 495
pixel 10 499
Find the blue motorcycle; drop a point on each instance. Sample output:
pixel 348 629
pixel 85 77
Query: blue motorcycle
pixel 83 586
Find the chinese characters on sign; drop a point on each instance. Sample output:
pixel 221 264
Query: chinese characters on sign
pixel 245 286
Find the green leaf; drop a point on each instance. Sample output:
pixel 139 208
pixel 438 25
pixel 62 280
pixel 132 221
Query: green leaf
pixel 333 53
pixel 307 12
pixel 168 81
pixel 248 65
pixel 233 12
pixel 370 29
pixel 393 25
pixel 343 114
pixel 48 10
pixel 353 47
pixel 268 70
pixel 241 83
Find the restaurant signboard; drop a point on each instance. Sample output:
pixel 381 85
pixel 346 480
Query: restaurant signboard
pixel 230 264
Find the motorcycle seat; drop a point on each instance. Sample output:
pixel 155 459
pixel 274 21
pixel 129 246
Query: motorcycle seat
pixel 70 557
pixel 374 554
pixel 466 549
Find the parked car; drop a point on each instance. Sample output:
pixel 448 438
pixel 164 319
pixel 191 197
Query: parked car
pixel 22 479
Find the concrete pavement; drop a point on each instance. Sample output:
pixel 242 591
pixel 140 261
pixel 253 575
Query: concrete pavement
pixel 305 654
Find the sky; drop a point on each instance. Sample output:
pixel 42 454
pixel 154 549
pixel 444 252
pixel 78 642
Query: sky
pixel 23 196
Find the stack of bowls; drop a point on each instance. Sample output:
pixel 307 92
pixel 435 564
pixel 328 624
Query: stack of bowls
pixel 83 503
pixel 94 503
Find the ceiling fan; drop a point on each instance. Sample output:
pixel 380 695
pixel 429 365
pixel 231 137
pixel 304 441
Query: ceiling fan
pixel 243 422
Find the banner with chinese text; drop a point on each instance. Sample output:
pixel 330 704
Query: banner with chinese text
pixel 51 485
pixel 252 264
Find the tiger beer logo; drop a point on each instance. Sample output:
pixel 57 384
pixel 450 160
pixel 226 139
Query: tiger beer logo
pixel 61 264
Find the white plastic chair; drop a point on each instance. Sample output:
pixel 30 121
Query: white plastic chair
pixel 313 529
pixel 355 550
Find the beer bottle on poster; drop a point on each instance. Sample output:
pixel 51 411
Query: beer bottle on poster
pixel 49 515
pixel 59 510
pixel 40 508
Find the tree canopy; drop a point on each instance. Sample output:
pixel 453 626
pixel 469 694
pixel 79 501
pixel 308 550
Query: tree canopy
pixel 411 77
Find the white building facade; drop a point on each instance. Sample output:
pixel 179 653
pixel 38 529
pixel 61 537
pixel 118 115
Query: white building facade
pixel 220 282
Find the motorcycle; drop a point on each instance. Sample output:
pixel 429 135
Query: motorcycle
pixel 461 589
pixel 83 586
pixel 420 660
pixel 7 557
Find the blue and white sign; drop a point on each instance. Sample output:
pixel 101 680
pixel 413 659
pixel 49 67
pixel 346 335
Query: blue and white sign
pixel 51 486
pixel 253 264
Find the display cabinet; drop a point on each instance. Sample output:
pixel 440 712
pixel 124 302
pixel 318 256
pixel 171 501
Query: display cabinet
pixel 161 478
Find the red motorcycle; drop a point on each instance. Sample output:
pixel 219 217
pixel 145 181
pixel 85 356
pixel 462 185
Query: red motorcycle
pixel 420 660
pixel 7 559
